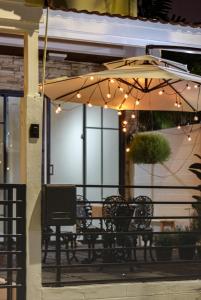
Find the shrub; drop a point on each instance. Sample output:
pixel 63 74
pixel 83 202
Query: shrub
pixel 149 148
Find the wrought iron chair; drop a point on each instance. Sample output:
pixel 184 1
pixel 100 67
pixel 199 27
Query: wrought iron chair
pixel 124 223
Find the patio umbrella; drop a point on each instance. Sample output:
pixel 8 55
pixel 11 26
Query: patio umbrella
pixel 138 83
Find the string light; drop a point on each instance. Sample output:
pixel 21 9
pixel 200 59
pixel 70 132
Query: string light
pixel 119 113
pixel 79 95
pixel 121 89
pixel 179 127
pixel 161 92
pixel 137 102
pixel 189 138
pixel 92 78
pixel 126 96
pixel 108 95
pixel 89 104
pixel 179 104
pixel 133 116
pixel 58 109
pixel 127 149
pixel 125 122
pixel 105 106
pixel 112 81
pixel 188 87
pixel 196 86
pixel 124 129
pixel 195 118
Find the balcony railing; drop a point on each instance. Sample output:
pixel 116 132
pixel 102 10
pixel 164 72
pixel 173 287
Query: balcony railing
pixel 152 235
pixel 12 241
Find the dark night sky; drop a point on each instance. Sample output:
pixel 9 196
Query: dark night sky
pixel 189 9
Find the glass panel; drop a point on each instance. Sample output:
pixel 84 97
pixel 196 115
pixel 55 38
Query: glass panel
pixel 94 116
pixel 13 140
pixel 66 144
pixel 1 154
pixel 1 109
pixel 110 118
pixel 110 157
pixel 93 156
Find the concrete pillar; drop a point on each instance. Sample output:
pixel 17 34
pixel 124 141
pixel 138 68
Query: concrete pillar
pixel 31 162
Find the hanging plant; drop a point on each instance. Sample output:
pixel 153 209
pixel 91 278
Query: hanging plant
pixel 149 148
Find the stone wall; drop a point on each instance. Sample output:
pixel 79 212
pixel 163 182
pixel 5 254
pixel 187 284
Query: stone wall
pixel 12 75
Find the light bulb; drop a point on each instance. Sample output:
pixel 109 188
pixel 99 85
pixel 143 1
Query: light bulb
pixel 89 104
pixel 119 113
pixel 176 104
pixel 105 106
pixel 195 118
pixel 112 81
pixel 126 96
pixel 125 122
pixel 189 138
pixel 127 149
pixel 91 78
pixel 188 87
pixel 179 104
pixel 124 129
pixel 133 116
pixel 161 92
pixel 137 102
pixel 79 95
pixel 179 127
pixel 108 95
pixel 121 89
pixel 58 109
pixel 195 86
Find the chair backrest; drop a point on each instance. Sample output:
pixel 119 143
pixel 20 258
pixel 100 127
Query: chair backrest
pixel 84 211
pixel 142 214
pixel 117 214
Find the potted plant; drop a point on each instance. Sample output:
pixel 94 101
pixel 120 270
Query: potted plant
pixel 149 148
pixel 164 246
pixel 186 241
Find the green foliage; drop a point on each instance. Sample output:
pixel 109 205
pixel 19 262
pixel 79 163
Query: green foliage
pixel 149 148
pixel 186 237
pixel 196 169
pixel 164 240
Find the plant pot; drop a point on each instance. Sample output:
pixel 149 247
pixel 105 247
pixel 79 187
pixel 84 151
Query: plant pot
pixel 164 253
pixel 187 253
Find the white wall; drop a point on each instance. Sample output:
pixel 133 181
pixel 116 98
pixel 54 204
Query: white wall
pixel 174 172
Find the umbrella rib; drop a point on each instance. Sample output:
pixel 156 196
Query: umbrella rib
pixel 180 95
pixel 130 84
pixel 162 84
pixel 80 89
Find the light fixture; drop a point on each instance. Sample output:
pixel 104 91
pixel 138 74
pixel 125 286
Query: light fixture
pixel 91 77
pixel 133 116
pixel 125 122
pixel 127 149
pixel 179 104
pixel 161 92
pixel 112 81
pixel 105 106
pixel 108 95
pixel 121 89
pixel 176 103
pixel 126 96
pixel 188 87
pixel 78 95
pixel 179 127
pixel 137 102
pixel 189 138
pixel 196 86
pixel 89 104
pixel 58 109
pixel 119 113
pixel 195 118
pixel 124 129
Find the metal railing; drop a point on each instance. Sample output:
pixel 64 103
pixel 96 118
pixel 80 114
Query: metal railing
pixel 12 241
pixel 126 240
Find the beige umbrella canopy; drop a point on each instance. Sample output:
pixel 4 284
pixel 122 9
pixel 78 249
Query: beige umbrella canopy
pixel 138 83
